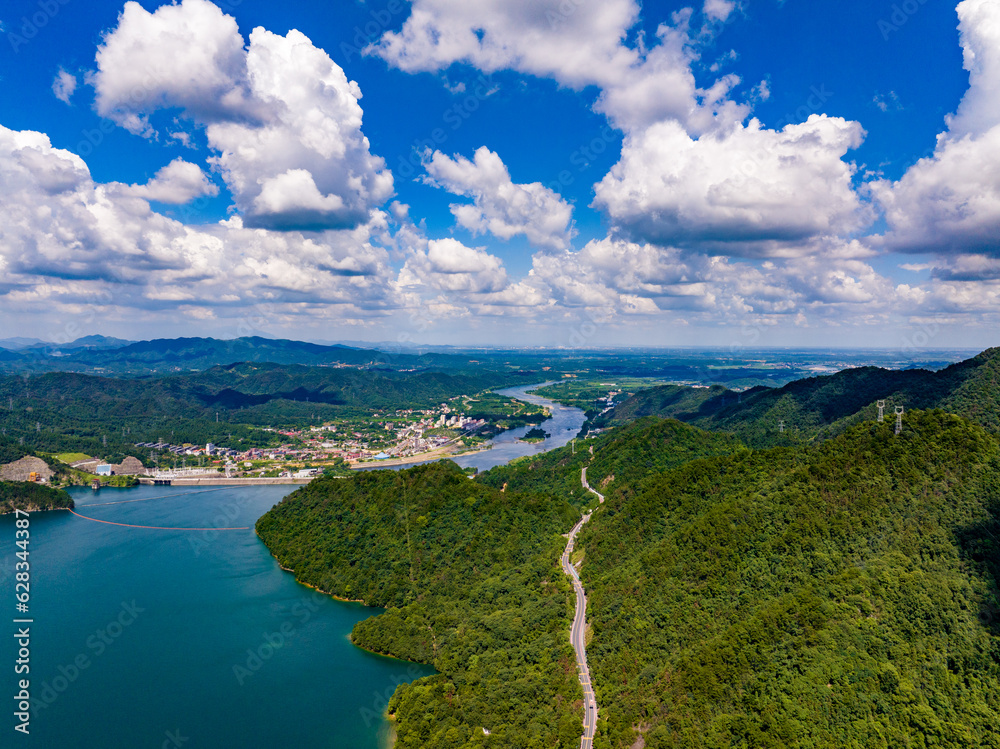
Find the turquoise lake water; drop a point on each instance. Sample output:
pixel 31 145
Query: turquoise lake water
pixel 158 638
pixel 178 638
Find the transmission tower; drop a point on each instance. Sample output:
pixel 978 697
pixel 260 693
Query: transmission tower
pixel 781 427
pixel 899 419
pixel 881 411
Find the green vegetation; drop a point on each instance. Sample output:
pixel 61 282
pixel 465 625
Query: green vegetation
pixel 10 451
pixel 339 467
pixel 70 458
pixel 821 407
pixel 471 581
pixel 228 406
pixel 167 356
pixel 556 473
pixel 624 456
pixel 669 402
pixel 591 395
pixel 504 412
pixel 535 435
pixel 834 596
pixel 119 482
pixel 836 589
pixel 31 497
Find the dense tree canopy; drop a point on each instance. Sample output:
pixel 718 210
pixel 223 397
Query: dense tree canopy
pixel 837 596
pixel 471 581
pixel 821 407
pixel 31 497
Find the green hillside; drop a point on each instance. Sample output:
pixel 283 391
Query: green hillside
pixel 668 402
pixel 65 412
pixel 820 407
pixel 30 497
pixel 843 595
pixel 471 579
pixel 98 354
pixel 624 456
pixel 10 451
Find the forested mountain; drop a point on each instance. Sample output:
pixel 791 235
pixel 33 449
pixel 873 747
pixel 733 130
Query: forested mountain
pixel 629 454
pixel 10 451
pixel 823 406
pixel 681 402
pixel 835 593
pixel 61 411
pixel 163 356
pixel 471 579
pixel 831 596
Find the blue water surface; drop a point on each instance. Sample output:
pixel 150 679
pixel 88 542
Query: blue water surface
pixel 170 638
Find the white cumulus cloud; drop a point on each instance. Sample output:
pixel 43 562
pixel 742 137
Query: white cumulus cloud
pixel 574 42
pixel 719 10
pixel 950 202
pixel 501 207
pixel 64 85
pixel 278 112
pixel 66 238
pixel 448 265
pixel 745 191
pixel 177 183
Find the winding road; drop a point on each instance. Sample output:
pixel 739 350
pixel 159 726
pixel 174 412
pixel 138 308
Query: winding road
pixel 588 487
pixel 578 633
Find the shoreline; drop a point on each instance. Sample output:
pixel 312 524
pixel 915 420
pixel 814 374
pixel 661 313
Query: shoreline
pixel 342 600
pixel 223 481
pixel 38 509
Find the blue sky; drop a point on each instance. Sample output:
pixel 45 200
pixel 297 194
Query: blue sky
pixel 556 173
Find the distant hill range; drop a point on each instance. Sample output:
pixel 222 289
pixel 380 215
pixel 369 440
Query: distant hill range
pixel 819 407
pixel 103 355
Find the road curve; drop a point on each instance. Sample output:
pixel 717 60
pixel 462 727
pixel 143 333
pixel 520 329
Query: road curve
pixel 578 637
pixel 588 487
pixel 578 633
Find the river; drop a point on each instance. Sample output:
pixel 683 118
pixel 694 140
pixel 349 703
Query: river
pixel 562 427
pixel 144 637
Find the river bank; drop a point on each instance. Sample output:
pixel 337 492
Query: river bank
pixel 564 424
